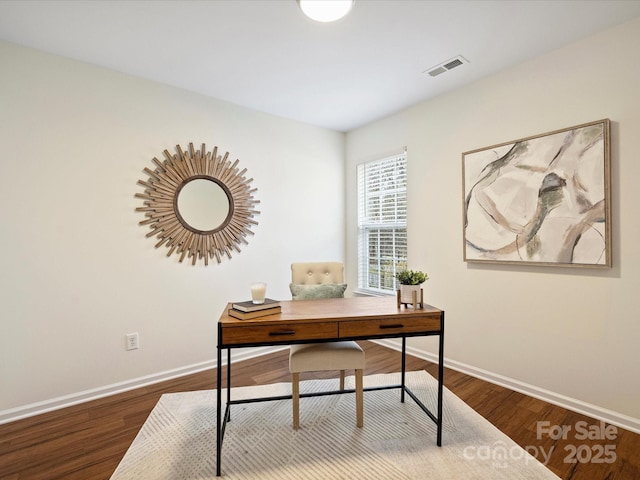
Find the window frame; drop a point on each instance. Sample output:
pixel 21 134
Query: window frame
pixel 381 209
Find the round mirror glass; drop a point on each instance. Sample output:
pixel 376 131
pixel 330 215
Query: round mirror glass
pixel 203 204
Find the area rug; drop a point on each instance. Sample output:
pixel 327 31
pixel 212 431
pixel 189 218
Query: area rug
pixel 398 441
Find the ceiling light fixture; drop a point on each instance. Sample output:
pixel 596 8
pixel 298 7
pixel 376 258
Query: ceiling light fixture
pixel 325 10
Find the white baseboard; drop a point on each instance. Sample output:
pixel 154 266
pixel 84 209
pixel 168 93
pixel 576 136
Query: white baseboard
pixel 57 403
pixel 593 411
pixel 588 409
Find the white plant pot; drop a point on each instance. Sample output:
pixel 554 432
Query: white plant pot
pixel 406 293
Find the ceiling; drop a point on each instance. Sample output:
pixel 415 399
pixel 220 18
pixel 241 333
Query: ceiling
pixel 265 55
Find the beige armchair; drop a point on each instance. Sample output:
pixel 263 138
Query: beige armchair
pixel 315 281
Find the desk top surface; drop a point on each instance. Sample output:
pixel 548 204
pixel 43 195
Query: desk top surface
pixel 336 309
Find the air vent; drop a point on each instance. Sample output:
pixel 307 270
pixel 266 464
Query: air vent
pixel 437 71
pixel 446 66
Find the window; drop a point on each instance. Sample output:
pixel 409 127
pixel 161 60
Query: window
pixel 382 222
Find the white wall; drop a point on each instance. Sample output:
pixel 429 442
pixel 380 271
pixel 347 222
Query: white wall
pixel 77 270
pixel 557 331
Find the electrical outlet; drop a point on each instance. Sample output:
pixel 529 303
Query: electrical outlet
pixel 132 341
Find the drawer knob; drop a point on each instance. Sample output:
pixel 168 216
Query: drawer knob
pixel 393 325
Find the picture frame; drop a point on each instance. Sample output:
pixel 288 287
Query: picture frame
pixel 540 200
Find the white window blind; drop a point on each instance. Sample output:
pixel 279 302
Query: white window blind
pixel 382 222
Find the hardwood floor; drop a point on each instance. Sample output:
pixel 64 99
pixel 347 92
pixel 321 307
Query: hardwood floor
pixel 87 441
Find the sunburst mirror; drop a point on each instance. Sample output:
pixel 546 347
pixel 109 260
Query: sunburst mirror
pixel 198 203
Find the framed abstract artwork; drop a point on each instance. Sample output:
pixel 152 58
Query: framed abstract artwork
pixel 540 200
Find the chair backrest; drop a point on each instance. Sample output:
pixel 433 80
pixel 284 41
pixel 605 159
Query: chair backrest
pixel 317 273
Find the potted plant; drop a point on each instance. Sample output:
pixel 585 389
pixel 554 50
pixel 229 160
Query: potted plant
pixel 410 281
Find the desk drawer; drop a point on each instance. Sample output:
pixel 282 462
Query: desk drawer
pixel 278 333
pixel 390 327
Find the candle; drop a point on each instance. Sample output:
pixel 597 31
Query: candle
pixel 258 292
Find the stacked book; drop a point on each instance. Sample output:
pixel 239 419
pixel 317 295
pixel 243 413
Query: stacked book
pixel 248 310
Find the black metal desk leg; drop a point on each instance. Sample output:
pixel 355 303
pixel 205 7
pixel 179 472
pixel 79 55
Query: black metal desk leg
pixel 404 367
pixel 219 409
pixel 228 382
pixel 440 379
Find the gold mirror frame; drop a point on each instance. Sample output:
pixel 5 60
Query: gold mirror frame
pixel 161 204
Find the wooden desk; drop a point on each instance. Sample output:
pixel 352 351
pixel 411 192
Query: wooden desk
pixel 314 321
